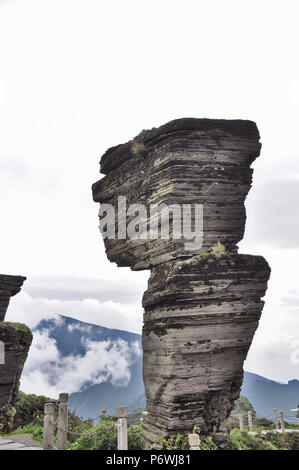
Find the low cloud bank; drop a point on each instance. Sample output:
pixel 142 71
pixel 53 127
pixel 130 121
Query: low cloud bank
pixel 48 372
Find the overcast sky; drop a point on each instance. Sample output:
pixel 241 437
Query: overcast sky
pixel 78 76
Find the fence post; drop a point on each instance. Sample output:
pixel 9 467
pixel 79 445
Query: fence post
pixel 282 421
pixel 48 440
pixel 241 421
pixel 104 413
pixel 62 421
pixel 276 425
pixel 122 430
pixel 194 441
pixel 250 425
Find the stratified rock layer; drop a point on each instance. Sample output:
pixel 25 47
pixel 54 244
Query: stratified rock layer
pixel 200 317
pixel 16 339
pixel 9 286
pixel 198 161
pixel 201 308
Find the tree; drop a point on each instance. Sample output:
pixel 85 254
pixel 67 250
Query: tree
pixel 242 406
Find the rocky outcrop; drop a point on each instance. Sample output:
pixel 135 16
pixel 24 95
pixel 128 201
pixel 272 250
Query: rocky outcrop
pixel 203 303
pixel 15 339
pixel 9 286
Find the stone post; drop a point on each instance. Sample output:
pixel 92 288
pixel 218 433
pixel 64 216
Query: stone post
pixel 194 441
pixel 282 421
pixel 276 425
pixel 62 420
pixel 48 442
pixel 241 421
pixel 250 425
pixel 122 431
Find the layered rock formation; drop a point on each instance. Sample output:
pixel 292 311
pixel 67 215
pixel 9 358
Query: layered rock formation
pixel 15 339
pixel 203 303
pixel 9 286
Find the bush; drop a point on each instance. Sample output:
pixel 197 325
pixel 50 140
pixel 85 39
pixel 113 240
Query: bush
pixel 242 406
pixel 34 429
pixel 180 441
pixel 29 409
pixel 241 440
pixel 284 441
pixel 107 439
pixel 264 423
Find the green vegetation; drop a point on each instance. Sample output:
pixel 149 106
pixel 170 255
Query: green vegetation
pixel 106 437
pixel 219 250
pixel 264 423
pixel 137 147
pixel 29 416
pixel 174 442
pixel 34 429
pixel 180 441
pixel 17 326
pixel 242 406
pixel 242 440
pixel 103 434
pixel 29 409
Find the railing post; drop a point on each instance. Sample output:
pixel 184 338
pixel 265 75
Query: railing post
pixel 282 421
pixel 48 440
pixel 241 421
pixel 194 441
pixel 276 425
pixel 62 421
pixel 250 425
pixel 122 430
pixel 104 414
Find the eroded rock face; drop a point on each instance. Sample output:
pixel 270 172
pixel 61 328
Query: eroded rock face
pixel 9 286
pixel 16 339
pixel 202 306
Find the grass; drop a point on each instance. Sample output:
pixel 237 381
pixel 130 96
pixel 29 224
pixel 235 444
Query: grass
pixel 17 326
pixel 34 429
pixel 137 147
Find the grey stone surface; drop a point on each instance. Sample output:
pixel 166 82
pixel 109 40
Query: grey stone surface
pixel 12 446
pixel 201 309
pixel 4 441
pixel 9 286
pixel 7 444
pixel 16 339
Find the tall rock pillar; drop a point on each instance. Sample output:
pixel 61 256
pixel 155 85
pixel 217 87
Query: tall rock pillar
pixel 203 301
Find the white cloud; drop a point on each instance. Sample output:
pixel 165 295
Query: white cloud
pixel 275 356
pixel 29 310
pixel 48 373
pixel 81 328
pixel 126 289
